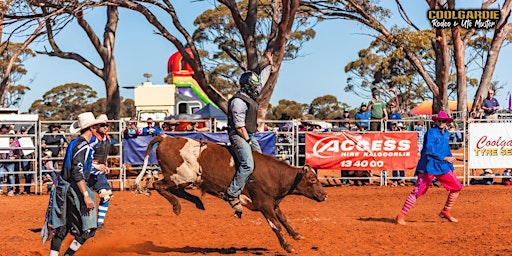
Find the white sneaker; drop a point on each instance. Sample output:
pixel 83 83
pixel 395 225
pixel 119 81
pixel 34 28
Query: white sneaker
pixel 11 193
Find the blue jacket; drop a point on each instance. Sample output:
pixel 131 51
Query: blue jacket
pixel 363 118
pixel 435 148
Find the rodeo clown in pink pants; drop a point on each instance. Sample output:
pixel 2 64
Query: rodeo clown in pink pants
pixel 436 161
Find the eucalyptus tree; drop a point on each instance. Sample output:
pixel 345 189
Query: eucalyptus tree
pixel 384 66
pixel 12 67
pixel 64 102
pixel 241 19
pixel 290 107
pixel 45 19
pixel 371 15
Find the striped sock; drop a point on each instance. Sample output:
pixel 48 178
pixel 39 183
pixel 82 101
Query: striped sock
pixel 409 202
pixel 451 200
pixel 102 211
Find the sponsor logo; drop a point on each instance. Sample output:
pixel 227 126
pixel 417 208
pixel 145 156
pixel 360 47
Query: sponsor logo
pixel 329 146
pixel 477 19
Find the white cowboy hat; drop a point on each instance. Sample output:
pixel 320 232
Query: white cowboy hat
pixel 85 120
pixel 48 153
pixel 103 118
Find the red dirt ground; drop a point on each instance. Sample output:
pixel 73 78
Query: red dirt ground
pixel 353 221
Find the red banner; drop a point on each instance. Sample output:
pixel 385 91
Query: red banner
pixel 362 151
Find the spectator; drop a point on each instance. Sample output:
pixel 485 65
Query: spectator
pixel 54 141
pixel 362 117
pixel 7 166
pixel 150 129
pixel 345 127
pixel 173 125
pixel 131 131
pixel 287 125
pixel 398 175
pixel 455 137
pixel 420 128
pixel 394 116
pixel 4 129
pixel 48 167
pixel 490 105
pixel 378 111
pixel 486 180
pixel 506 181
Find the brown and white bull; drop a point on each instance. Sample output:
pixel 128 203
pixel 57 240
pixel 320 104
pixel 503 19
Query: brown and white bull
pixel 211 167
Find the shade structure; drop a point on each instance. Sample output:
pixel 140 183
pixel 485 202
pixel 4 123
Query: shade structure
pixel 210 111
pixel 425 108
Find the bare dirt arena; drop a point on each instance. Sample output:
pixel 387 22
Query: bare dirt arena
pixel 353 221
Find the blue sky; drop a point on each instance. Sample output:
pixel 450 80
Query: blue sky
pixel 139 50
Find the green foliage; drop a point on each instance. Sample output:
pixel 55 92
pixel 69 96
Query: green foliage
pixel 224 53
pixel 384 66
pixel 292 108
pixel 64 102
pixel 325 107
pixel 14 93
pixel 127 107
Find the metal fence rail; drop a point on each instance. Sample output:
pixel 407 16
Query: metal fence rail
pixel 31 170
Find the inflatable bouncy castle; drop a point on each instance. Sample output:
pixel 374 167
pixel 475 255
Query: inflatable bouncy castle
pixel 180 74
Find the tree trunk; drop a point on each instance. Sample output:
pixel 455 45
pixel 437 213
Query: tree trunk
pixel 458 48
pixel 501 33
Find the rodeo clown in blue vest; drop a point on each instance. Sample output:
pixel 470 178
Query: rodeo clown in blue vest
pixel 242 124
pixel 71 206
pixel 98 181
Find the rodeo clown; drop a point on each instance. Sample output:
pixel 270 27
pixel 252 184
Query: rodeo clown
pixel 71 208
pixel 101 142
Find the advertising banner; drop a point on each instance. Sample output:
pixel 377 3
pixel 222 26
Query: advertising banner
pixel 362 151
pixel 490 145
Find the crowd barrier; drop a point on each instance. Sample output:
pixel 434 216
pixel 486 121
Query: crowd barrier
pixel 288 138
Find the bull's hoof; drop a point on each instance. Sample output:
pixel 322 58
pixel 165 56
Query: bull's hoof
pixel 289 248
pixel 238 214
pixel 176 208
pixel 200 206
pixel 298 236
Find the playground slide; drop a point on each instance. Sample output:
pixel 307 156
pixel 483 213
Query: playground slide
pixel 187 81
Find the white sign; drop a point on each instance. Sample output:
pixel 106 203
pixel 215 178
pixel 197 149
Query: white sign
pixel 4 145
pixel 26 142
pixel 490 145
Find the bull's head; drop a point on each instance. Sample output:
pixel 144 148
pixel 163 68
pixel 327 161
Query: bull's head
pixel 309 185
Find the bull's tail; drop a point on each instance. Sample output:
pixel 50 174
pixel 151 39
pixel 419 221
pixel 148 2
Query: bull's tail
pixel 151 146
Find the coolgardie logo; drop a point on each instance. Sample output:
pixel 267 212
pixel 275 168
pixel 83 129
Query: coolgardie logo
pixel 326 147
pixel 477 19
pixel 493 147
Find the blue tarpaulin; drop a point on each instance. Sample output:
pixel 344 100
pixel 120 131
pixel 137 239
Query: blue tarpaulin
pixel 134 149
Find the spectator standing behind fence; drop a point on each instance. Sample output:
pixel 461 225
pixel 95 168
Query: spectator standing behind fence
pixel 398 175
pixel 54 140
pixel 487 178
pixel 362 117
pixel 378 111
pixel 131 130
pixel 8 167
pixel 436 160
pixel 150 129
pixel 393 117
pixel 506 181
pixel 490 106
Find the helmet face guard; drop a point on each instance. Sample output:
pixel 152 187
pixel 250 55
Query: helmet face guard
pixel 250 83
